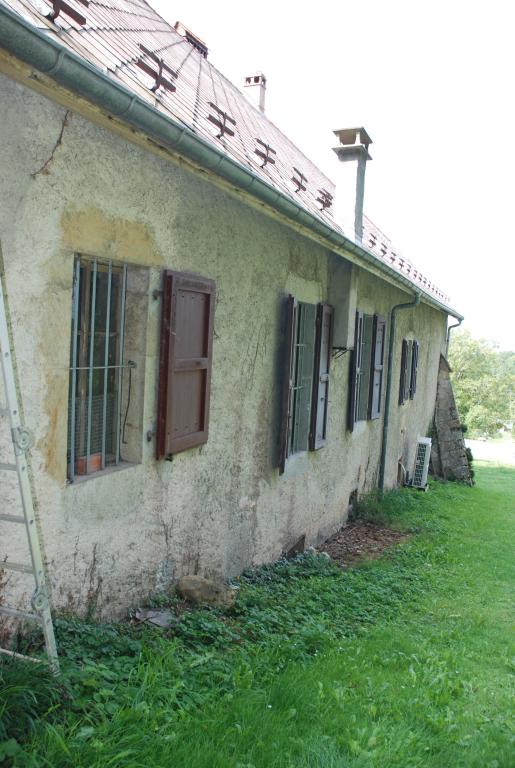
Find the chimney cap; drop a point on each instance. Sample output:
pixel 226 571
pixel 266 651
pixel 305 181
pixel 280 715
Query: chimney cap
pixel 257 78
pixel 348 136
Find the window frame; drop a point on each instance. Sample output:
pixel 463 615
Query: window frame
pixel 314 435
pixel 366 366
pixel 82 365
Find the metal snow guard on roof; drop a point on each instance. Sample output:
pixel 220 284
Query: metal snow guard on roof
pixel 109 43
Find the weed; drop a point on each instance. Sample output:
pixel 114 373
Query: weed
pixel 28 692
pixel 401 662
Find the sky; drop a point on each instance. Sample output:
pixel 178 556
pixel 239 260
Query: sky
pixel 433 85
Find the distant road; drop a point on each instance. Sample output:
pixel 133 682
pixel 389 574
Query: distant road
pixel 502 451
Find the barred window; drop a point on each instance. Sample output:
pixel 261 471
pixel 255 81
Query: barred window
pixel 96 366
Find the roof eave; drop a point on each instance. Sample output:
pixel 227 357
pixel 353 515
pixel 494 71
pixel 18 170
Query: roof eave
pixel 36 49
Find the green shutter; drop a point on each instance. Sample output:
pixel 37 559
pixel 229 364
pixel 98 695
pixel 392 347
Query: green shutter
pixel 322 362
pixel 414 367
pixel 303 377
pixel 355 371
pixel 366 362
pixel 376 382
pixel 289 373
pixel 404 372
pixel 409 366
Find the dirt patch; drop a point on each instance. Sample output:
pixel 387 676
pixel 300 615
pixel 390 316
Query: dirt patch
pixel 360 541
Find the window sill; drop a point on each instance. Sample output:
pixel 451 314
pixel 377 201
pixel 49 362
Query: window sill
pixel 297 464
pixel 109 470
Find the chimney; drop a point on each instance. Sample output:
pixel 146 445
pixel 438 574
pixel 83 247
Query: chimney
pixel 255 90
pixel 353 146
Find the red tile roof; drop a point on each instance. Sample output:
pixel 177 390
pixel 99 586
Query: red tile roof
pixel 119 37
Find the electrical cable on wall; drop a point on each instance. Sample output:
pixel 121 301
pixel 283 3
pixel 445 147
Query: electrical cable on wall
pixel 131 364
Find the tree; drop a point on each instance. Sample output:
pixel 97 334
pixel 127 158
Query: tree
pixel 484 383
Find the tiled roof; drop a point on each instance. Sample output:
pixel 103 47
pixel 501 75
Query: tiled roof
pixel 126 39
pixel 377 243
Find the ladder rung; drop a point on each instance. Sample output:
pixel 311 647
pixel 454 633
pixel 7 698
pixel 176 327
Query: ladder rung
pixel 8 466
pixel 16 614
pixel 21 656
pixel 12 518
pixel 16 566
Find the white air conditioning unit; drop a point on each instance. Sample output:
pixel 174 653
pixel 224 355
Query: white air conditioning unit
pixel 421 462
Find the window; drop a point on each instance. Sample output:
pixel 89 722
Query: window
pixel 185 362
pixel 409 366
pixel 306 387
pixel 367 364
pixel 98 323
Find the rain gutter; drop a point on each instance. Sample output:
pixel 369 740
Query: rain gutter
pixel 388 396
pixel 38 50
pixel 449 329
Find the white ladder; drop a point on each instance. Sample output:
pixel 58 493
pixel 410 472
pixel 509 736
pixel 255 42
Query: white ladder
pixel 21 439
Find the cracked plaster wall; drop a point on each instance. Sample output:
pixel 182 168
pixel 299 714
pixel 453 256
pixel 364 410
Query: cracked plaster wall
pixel 110 540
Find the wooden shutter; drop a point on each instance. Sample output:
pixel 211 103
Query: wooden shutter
pixel 303 377
pixel 355 370
pixel 363 384
pixel 184 362
pixel 376 380
pixel 407 378
pixel 414 367
pixel 323 343
pixel 289 372
pixel 404 372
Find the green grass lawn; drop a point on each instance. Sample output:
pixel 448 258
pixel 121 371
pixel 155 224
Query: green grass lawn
pixel 405 661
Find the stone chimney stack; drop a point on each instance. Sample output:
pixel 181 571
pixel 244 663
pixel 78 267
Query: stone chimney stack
pixel 353 146
pixel 255 90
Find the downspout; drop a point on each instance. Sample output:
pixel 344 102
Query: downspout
pixel 389 366
pixel 449 329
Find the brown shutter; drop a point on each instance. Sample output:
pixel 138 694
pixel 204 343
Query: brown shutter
pixel 184 362
pixel 404 372
pixel 376 380
pixel 323 342
pixel 414 367
pixel 355 369
pixel 287 399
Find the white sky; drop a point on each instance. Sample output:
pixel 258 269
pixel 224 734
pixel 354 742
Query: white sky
pixel 433 83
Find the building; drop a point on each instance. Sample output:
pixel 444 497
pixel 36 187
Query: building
pixel 202 350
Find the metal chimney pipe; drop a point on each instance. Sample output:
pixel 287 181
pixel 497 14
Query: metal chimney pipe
pixel 354 143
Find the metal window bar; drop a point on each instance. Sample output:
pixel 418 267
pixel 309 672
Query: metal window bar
pixel 95 417
pixel 91 360
pixel 73 393
pixel 120 372
pixel 106 362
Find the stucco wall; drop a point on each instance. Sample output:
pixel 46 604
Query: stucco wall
pixel 109 540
